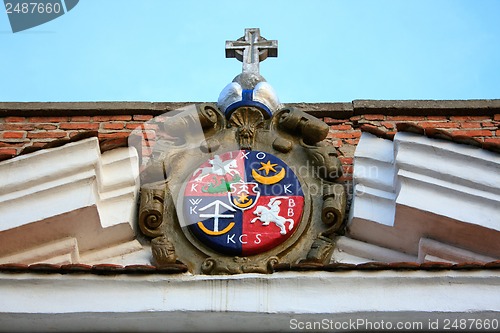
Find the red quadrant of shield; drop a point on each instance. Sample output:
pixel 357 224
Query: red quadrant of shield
pixel 260 236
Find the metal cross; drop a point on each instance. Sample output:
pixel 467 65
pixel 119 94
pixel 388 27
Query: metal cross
pixel 251 49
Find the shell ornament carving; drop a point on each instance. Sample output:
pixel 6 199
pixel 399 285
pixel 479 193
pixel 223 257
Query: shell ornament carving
pixel 247 120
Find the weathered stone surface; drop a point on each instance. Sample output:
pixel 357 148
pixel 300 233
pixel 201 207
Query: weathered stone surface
pixel 333 110
pixel 427 107
pixel 339 110
pixel 87 108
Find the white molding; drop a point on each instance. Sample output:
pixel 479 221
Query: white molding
pixel 431 188
pixel 366 251
pixel 72 191
pixel 438 176
pixel 373 176
pixel 443 252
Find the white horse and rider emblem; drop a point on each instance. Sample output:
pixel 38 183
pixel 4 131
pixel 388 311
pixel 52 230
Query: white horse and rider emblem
pixel 267 215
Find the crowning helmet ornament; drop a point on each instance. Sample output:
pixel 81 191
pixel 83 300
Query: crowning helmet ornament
pixel 243 185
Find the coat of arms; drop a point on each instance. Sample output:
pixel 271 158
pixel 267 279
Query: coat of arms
pixel 246 202
pixel 245 184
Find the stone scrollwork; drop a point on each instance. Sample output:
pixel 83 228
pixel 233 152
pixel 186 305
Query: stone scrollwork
pixel 151 209
pixel 238 265
pixel 186 125
pixel 282 145
pixel 332 215
pixel 325 166
pixel 210 118
pixel 209 145
pixel 216 160
pixel 311 131
pixel 334 204
pixel 163 251
pixel 309 128
pixel 321 251
pixel 325 162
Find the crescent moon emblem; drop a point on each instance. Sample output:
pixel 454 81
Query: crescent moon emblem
pixel 269 180
pixel 215 233
pixel 245 205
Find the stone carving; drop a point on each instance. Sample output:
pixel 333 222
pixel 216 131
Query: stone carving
pixel 226 219
pixel 311 129
pixel 238 265
pixel 321 251
pixel 325 162
pixel 282 145
pixel 247 120
pixel 185 124
pixel 243 185
pixel 334 205
pixel 163 251
pixel 152 206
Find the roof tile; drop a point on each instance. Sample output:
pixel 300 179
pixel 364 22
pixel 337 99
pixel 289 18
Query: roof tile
pixel 76 268
pixel 434 133
pixel 177 268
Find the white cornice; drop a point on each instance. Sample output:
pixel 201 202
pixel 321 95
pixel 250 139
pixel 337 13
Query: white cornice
pixel 219 299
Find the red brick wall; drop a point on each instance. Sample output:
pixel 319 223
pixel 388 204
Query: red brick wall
pixel 17 133
pixel 345 133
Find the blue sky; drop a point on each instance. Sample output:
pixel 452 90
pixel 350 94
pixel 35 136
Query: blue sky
pixel 329 51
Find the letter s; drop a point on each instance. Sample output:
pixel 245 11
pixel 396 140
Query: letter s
pixel 257 239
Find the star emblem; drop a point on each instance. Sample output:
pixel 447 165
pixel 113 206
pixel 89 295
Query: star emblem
pixel 243 197
pixel 267 167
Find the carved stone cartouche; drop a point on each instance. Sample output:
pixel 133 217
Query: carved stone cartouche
pixel 287 138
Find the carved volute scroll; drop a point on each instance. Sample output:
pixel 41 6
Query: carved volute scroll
pixel 152 207
pixel 334 204
pixel 185 125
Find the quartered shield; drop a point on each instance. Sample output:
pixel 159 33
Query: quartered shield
pixel 242 203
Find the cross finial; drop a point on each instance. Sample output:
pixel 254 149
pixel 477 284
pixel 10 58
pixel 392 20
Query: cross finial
pixel 251 49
